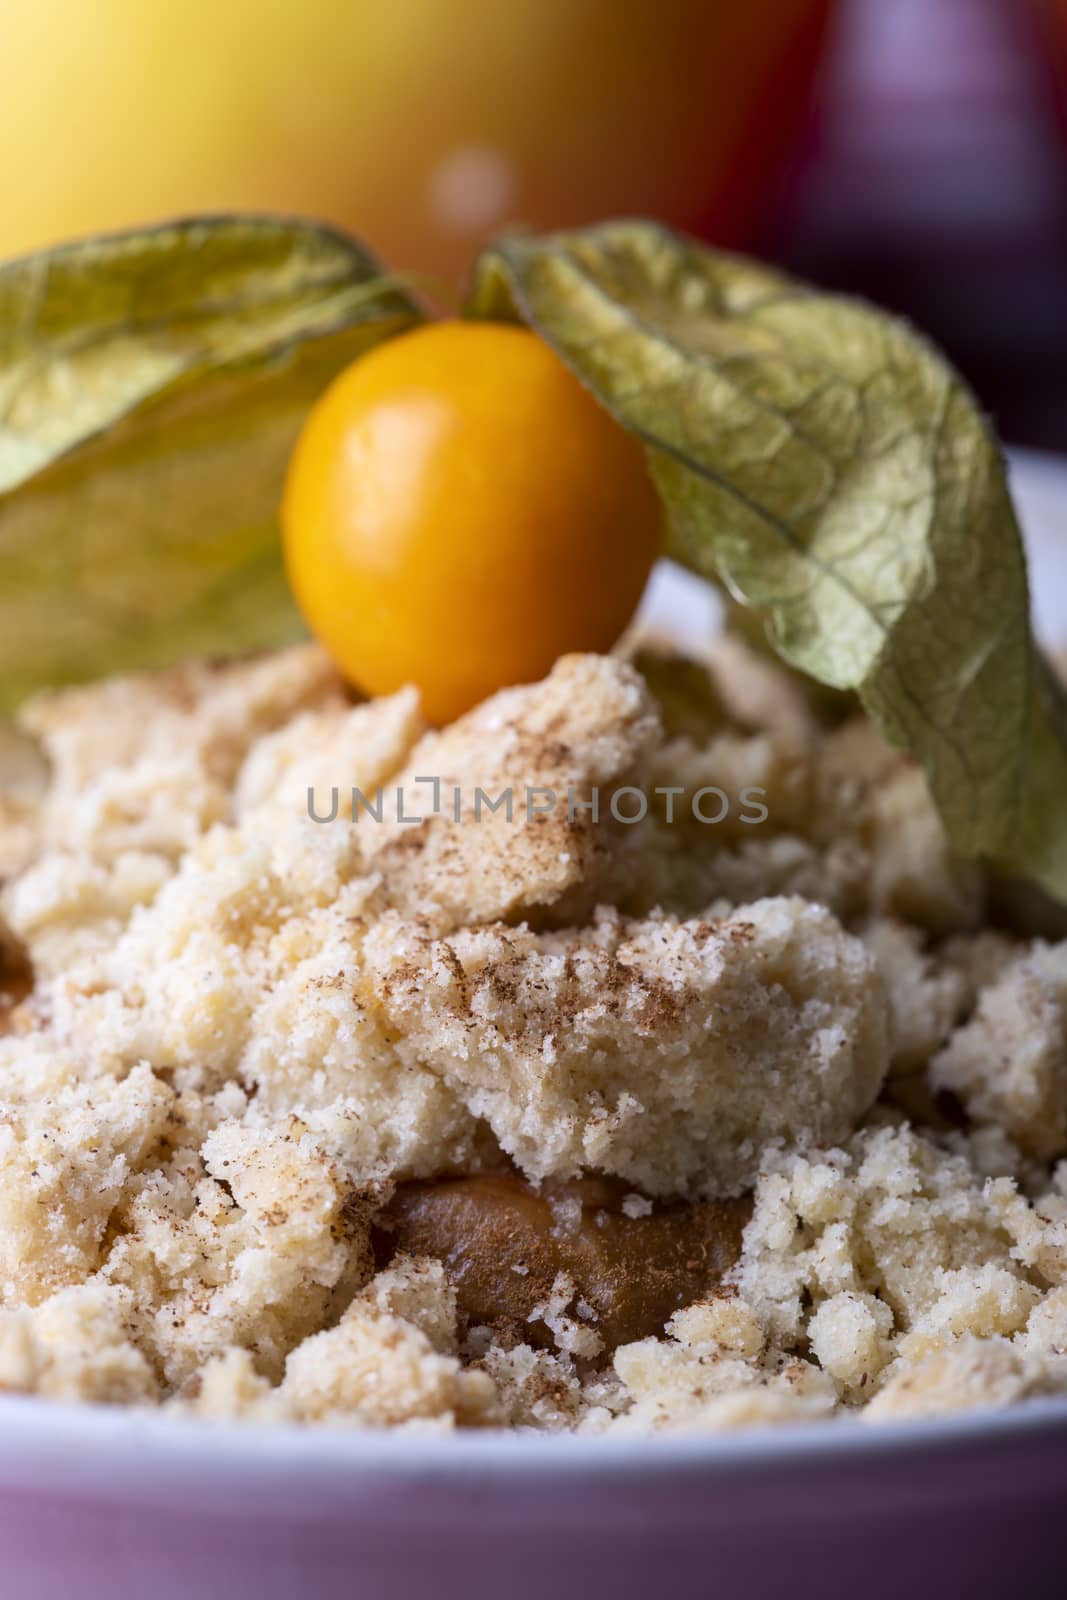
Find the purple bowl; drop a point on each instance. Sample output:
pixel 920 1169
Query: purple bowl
pixel 97 1502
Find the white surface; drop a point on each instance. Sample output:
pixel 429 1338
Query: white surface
pixel 1039 484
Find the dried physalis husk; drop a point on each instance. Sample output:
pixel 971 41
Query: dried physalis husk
pixel 151 387
pixel 828 466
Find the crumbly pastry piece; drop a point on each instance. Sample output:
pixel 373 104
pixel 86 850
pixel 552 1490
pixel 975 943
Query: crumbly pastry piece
pixel 848 823
pixel 883 1276
pixel 756 693
pixel 77 1345
pixel 261 1050
pixel 390 1360
pixel 139 769
pixel 667 1053
pixel 714 1371
pixel 889 1214
pixel 876 796
pixel 927 995
pixel 1008 1064
pixel 68 1149
pixel 513 781
pixel 970 1374
pixel 244 1243
pixel 247 968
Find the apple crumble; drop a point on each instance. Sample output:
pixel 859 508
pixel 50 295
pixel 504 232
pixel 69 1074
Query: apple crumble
pixel 572 1116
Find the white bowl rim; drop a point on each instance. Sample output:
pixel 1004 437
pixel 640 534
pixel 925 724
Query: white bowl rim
pixel 139 1451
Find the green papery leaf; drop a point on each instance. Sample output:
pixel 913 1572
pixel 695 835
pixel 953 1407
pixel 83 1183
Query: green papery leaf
pixel 826 464
pixel 151 387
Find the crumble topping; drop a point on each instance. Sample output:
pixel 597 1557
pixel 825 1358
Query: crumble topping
pixel 665 1052
pixel 556 1121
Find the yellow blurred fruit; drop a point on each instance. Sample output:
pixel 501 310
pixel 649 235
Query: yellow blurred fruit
pixel 420 124
pixel 459 512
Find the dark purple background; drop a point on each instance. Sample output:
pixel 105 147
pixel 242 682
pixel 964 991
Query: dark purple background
pixel 934 179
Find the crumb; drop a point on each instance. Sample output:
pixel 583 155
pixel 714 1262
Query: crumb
pixel 667 1053
pixel 1008 1064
